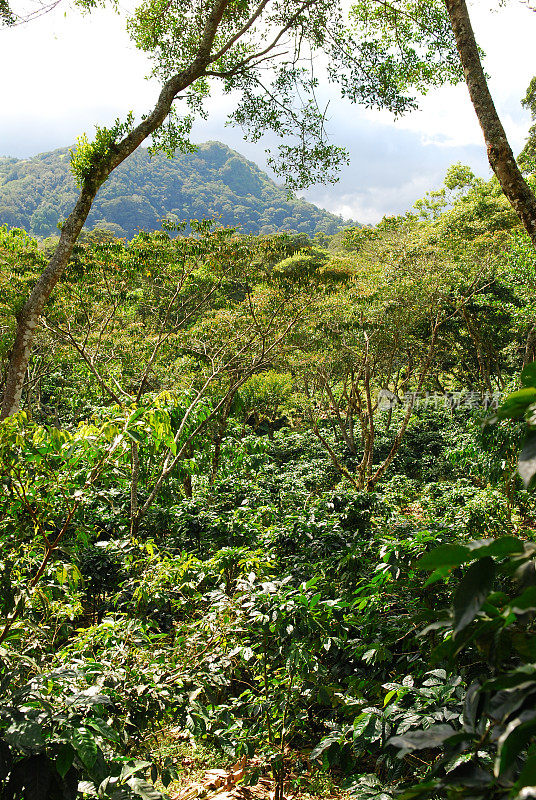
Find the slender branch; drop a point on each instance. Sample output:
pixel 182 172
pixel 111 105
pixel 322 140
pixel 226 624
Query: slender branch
pixel 336 463
pixel 54 544
pixel 257 58
pixel 169 462
pixel 81 350
pixel 244 29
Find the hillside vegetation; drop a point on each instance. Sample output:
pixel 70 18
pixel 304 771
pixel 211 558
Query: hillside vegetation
pixel 215 182
pixel 261 511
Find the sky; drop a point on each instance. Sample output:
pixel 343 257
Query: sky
pixel 65 72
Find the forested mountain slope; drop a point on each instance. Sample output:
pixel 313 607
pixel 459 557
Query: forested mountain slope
pixel 214 182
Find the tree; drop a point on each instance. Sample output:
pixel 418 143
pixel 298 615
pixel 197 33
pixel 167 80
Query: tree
pixel 175 325
pixel 381 340
pixel 500 155
pixel 262 50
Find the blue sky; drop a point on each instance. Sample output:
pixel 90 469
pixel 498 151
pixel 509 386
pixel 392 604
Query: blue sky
pixel 66 72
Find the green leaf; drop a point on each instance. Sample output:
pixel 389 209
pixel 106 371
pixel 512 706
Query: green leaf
pixel 468 774
pixel 448 555
pixel 434 736
pixel 525 602
pixel 85 745
pixel 438 575
pixel 337 737
pixel 388 697
pixel 516 404
pixel 521 675
pixel 524 645
pixel 471 705
pixel 515 738
pixel 473 590
pixel 130 769
pixel 104 729
pixel 26 734
pixel 135 436
pixel 144 789
pixel 526 465
pixel 498 548
pixel 528 375
pixel 427 789
pixel 137 414
pixel 528 773
pixel 64 759
pixel 87 787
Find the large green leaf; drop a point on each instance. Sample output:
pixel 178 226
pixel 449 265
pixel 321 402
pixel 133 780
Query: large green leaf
pixel 144 789
pixel 448 555
pixel 85 745
pixel 64 759
pixel 526 464
pixel 528 375
pixel 425 790
pixel 521 675
pixel 25 733
pixel 515 739
pixel 104 729
pixel 528 773
pixel 525 602
pixel 132 768
pixel 517 403
pixel 468 774
pixel 434 736
pixel 498 548
pixel 471 705
pixel 473 590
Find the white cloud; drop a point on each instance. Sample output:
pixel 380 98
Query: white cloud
pixel 369 204
pixel 70 72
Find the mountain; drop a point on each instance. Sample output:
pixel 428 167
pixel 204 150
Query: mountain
pixel 214 182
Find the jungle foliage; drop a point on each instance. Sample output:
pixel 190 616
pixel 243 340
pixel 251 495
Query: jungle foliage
pixel 250 505
pixel 213 182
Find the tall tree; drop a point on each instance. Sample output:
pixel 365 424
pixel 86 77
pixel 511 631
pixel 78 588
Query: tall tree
pixel 263 52
pixel 500 155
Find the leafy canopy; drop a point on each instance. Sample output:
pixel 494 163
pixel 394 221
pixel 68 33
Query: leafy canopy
pixel 269 56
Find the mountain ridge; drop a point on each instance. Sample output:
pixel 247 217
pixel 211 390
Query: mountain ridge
pixel 213 182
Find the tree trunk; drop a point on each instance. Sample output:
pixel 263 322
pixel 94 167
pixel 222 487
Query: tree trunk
pixel 500 155
pixel 187 486
pixel 134 480
pixel 530 346
pixel 220 432
pixel 483 362
pixel 28 318
pixel 426 364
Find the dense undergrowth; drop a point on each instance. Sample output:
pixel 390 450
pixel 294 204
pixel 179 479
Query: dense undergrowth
pixel 276 612
pixel 216 535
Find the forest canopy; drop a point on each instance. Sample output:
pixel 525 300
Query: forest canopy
pixel 237 459
pixel 267 508
pixel 214 182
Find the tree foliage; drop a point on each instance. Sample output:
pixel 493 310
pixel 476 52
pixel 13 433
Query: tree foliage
pixel 212 183
pixel 215 530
